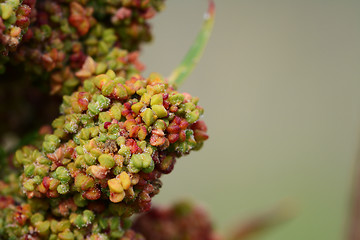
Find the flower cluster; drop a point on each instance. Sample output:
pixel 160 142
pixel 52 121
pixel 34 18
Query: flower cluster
pixel 15 18
pixel 61 218
pixel 129 18
pixel 101 160
pixel 183 220
pixel 114 139
pixel 35 221
pixel 54 47
pixel 65 33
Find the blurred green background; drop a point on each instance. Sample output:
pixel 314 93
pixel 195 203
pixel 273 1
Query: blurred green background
pixel 280 85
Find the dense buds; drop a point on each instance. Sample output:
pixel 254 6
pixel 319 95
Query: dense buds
pixel 64 219
pixel 14 21
pixel 113 141
pixel 64 33
pixel 101 160
pixel 56 39
pixel 15 16
pixel 181 221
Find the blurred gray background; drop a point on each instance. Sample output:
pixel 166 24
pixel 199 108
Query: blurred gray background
pixel 279 82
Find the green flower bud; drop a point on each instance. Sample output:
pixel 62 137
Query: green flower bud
pixel 193 116
pixel 125 151
pixel 156 100
pixel 37 217
pixel 80 201
pixel 66 235
pixel 114 128
pixel 103 101
pixel 79 221
pixel 43 160
pixel 104 117
pixel 51 142
pixel 62 174
pixel 141 161
pixel 148 117
pixel 43 227
pixel 6 10
pixel 53 237
pixel 89 86
pixel 29 170
pixel 80 161
pixel 83 182
pixel 111 74
pixel 115 111
pixel 46 29
pixel 146 160
pixel 141 91
pixel 90 159
pixel 41 170
pixel 100 68
pixel 108 88
pixel 160 124
pixel 37 180
pixel 103 48
pixel 145 98
pixel 53 184
pixel 79 150
pixel 71 127
pixel 119 79
pixel 88 216
pixel 93 109
pixel 137 107
pixel 136 161
pixel 29 185
pixel 63 188
pixel 150 168
pixel 95 152
pixel 160 111
pixel 59 122
pixel 94 131
pixel 106 160
pixel 114 224
pixel 102 138
pixel 176 99
pixel 63 225
pixel 85 133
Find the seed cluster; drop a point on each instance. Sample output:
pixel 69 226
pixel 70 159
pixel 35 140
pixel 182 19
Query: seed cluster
pixel 114 140
pixel 14 20
pixel 101 160
pixel 35 220
pixel 183 220
pixel 64 33
pixel 54 47
pixel 129 18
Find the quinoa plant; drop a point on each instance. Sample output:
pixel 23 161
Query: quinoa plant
pixel 85 136
pixel 114 133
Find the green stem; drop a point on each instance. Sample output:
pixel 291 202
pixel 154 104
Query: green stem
pixel 193 56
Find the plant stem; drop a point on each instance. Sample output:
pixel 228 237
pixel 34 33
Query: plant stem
pixel 194 54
